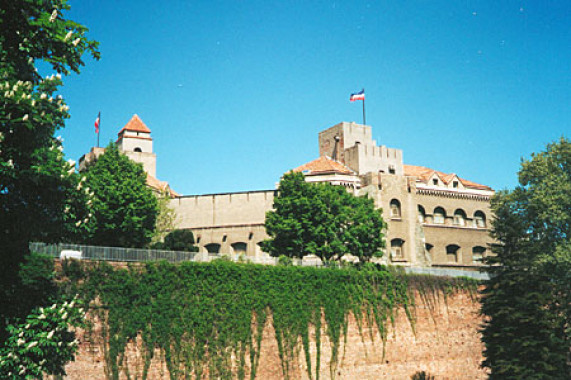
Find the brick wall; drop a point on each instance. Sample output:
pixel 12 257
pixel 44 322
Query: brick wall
pixel 446 345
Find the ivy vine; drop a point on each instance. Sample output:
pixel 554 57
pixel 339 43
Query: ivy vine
pixel 207 319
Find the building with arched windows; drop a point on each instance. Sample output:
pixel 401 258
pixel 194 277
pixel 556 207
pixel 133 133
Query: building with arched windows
pixel 434 218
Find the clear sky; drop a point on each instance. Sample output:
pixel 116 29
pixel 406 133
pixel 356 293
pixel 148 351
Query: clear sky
pixel 235 92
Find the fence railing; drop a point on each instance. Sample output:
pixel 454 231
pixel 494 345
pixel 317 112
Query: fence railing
pixel 88 252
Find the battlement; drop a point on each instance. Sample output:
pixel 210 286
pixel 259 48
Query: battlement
pixel 335 140
pixel 353 145
pixel 223 209
pixel 364 159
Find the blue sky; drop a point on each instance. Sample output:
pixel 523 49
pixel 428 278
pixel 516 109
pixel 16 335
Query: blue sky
pixel 235 92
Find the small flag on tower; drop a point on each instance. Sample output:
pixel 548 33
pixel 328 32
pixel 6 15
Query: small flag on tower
pixel 97 122
pixel 357 95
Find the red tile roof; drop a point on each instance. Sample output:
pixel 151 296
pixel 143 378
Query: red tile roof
pixel 160 186
pixel 424 174
pixel 135 125
pixel 324 165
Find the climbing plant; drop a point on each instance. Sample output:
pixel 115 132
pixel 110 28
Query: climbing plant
pixel 208 319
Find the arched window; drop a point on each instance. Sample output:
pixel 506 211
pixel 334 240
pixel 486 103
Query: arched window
pixel 421 214
pixel 452 253
pixel 478 253
pixel 397 248
pixel 137 149
pixel 479 219
pixel 212 248
pixel 439 215
pixel 395 208
pixel 240 248
pixel 459 217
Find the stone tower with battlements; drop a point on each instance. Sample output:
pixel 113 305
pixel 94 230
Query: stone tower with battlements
pixel 353 145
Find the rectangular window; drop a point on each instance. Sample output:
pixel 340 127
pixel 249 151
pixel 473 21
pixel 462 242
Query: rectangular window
pixel 396 252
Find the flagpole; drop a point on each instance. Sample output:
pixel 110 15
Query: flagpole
pixel 364 120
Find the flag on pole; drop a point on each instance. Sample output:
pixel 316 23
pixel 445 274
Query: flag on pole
pixel 357 95
pixel 97 122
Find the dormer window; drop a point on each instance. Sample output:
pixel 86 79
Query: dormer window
pixel 435 181
pixel 138 150
pixel 455 184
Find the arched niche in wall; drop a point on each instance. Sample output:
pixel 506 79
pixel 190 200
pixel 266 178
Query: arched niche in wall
pixel 212 248
pixel 239 248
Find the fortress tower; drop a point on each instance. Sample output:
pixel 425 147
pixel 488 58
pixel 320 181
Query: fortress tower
pixel 135 142
pixel 352 145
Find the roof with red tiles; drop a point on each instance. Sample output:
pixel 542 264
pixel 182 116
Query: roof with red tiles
pixel 135 125
pixel 424 174
pixel 323 165
pixel 160 186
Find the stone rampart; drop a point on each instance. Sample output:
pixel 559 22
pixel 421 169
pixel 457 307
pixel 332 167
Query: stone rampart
pixel 445 344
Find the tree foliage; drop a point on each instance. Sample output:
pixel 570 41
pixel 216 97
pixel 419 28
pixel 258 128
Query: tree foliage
pixel 124 208
pixel 322 220
pixel 527 302
pixel 43 344
pixel 37 197
pixel 178 240
pixel 166 218
pixel 38 188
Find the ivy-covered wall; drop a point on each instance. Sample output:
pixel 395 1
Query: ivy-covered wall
pixel 208 320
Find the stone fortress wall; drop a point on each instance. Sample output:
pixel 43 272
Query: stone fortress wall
pixel 230 223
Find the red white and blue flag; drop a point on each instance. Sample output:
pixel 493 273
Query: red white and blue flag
pixel 97 122
pixel 357 96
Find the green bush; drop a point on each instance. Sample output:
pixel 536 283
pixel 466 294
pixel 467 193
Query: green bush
pixel 178 240
pixel 285 261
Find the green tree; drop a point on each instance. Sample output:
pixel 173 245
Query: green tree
pixel 38 189
pixel 124 208
pixel 43 344
pixel 166 219
pixel 527 301
pixel 178 240
pixel 322 220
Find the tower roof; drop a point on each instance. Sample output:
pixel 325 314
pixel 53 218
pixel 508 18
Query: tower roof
pixel 135 125
pixel 323 165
